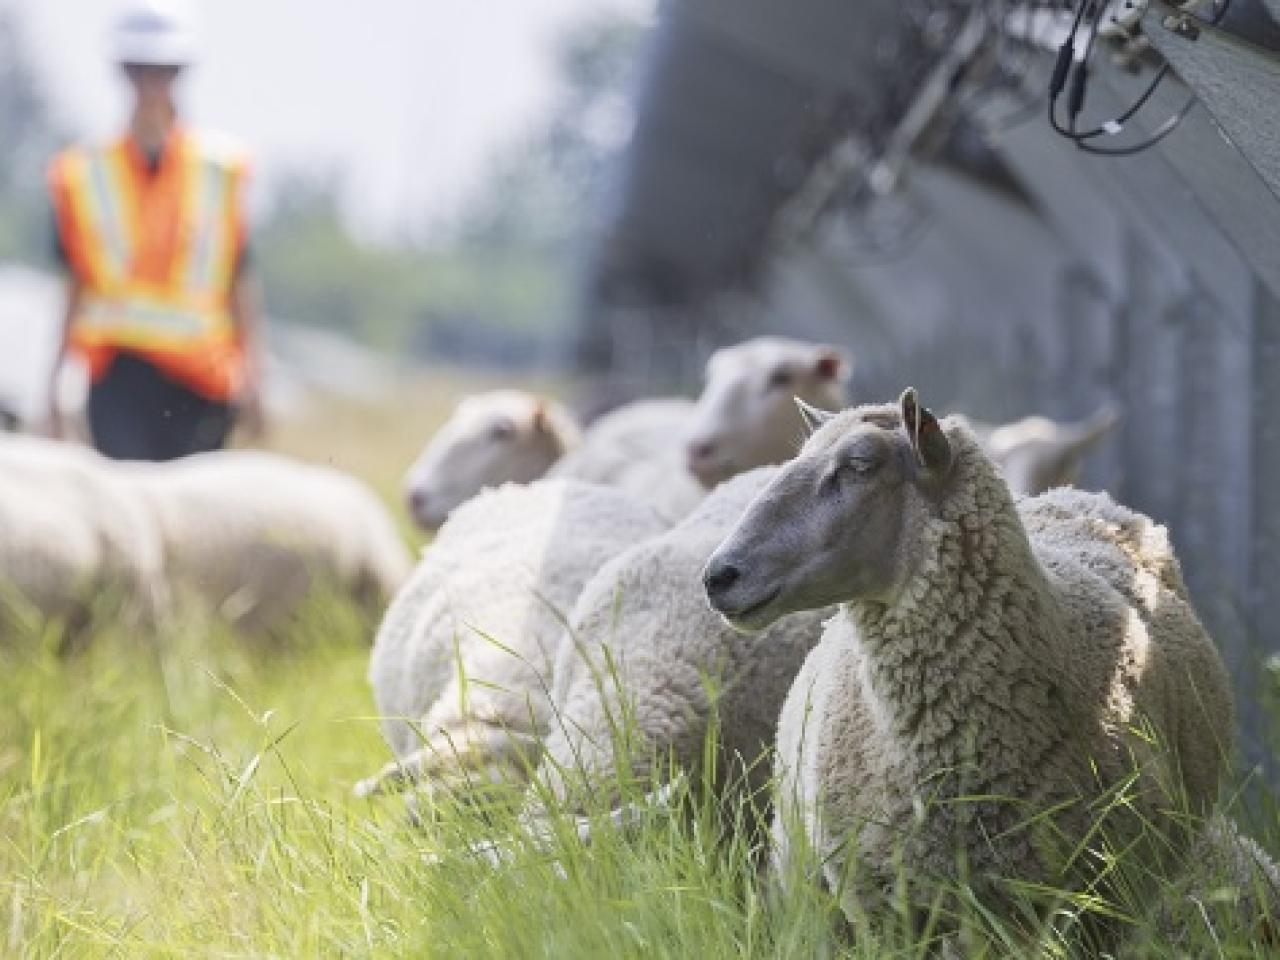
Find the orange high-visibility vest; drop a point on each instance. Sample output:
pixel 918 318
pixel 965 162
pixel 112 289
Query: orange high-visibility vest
pixel 156 254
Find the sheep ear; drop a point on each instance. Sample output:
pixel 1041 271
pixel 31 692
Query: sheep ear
pixel 813 417
pixel 541 418
pixel 928 442
pixel 833 364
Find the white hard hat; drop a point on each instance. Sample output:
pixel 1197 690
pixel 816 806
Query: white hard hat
pixel 159 33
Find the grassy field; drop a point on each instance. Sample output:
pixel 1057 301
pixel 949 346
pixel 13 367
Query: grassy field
pixel 190 796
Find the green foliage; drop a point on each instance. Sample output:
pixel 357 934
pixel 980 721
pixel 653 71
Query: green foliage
pixel 541 191
pixel 315 271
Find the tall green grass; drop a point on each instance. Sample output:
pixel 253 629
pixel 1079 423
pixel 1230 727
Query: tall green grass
pixel 191 796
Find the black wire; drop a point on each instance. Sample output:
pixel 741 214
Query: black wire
pixel 1162 131
pixel 1079 80
pixel 1062 68
pixel 1080 76
pixel 1170 124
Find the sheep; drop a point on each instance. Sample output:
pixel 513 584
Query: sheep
pixel 993 674
pixel 75 537
pixel 1036 454
pixel 50 562
pixel 1230 887
pixel 635 431
pixel 513 436
pixel 462 664
pixel 246 534
pixel 490 439
pixel 635 448
pixel 641 633
pixel 745 416
pixel 743 419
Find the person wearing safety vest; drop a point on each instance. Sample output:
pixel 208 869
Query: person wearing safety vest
pixel 153 232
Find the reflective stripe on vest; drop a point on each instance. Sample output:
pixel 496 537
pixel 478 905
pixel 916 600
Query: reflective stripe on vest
pixel 141 321
pixel 211 202
pixel 104 203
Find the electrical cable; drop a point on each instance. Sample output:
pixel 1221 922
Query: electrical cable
pixel 1079 80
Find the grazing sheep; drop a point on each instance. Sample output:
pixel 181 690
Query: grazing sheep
pixel 745 417
pixel 75 538
pixel 462 664
pixel 641 634
pixel 1036 454
pixel 993 674
pixel 248 534
pixel 491 438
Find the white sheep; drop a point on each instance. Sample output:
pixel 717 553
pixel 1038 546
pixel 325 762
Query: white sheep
pixel 490 439
pixel 247 534
pixel 514 436
pixel 462 664
pixel 76 540
pixel 993 673
pixel 658 449
pixel 644 654
pixel 636 448
pixel 51 565
pixel 1036 454
pixel 746 416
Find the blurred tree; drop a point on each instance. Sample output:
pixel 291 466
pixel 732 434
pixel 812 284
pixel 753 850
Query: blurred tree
pixel 314 271
pixel 504 272
pixel 541 190
pixel 28 137
pixel 526 226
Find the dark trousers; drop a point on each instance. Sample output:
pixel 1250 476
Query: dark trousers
pixel 137 413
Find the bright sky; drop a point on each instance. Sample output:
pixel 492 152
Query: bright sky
pixel 408 97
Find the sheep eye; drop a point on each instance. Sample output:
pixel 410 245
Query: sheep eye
pixel 502 430
pixel 835 478
pixel 781 377
pixel 854 469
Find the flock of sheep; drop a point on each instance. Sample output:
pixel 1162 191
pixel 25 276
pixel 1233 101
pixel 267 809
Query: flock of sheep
pixel 954 661
pixel 242 536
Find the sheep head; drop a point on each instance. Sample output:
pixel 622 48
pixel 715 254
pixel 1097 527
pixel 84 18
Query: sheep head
pixel 842 522
pixel 745 417
pixel 504 436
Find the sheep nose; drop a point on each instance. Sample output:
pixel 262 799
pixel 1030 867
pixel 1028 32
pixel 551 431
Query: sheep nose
pixel 701 450
pixel 417 502
pixel 719 576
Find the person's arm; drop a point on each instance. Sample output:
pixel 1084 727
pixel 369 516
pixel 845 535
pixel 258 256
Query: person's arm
pixel 246 313
pixel 75 293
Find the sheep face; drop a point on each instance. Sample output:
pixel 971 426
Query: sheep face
pixel 492 438
pixel 745 417
pixel 840 523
